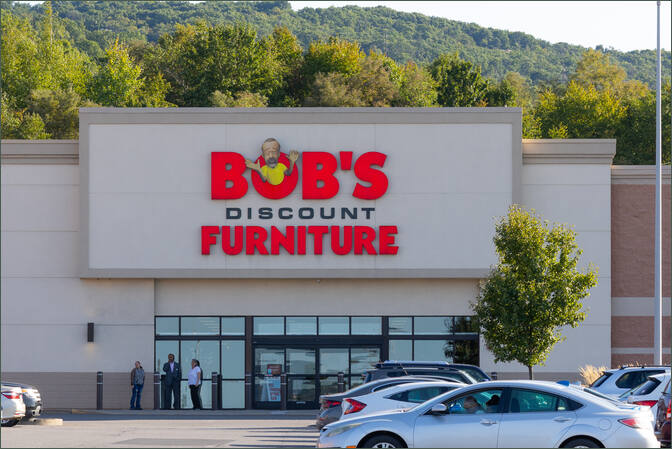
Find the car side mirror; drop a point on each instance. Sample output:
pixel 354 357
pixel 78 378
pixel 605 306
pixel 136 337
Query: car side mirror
pixel 438 409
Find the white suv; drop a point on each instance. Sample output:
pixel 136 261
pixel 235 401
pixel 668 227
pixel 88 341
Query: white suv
pixel 615 382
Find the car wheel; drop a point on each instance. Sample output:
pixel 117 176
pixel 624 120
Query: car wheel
pixel 581 442
pixel 10 423
pixel 383 441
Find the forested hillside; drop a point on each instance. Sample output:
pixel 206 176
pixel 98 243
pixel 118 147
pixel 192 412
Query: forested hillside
pixel 153 54
pixel 93 25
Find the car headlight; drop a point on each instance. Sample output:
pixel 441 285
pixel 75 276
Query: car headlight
pixel 342 429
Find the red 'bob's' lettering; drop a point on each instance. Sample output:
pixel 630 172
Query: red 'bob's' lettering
pixel 365 172
pixel 226 176
pixel 312 174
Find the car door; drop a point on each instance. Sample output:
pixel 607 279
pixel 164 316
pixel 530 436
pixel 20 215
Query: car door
pixel 535 419
pixel 463 424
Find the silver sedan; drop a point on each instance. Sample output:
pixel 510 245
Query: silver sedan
pixel 500 414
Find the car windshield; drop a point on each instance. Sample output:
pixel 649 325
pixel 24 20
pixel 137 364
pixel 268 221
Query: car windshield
pixel 599 395
pixel 645 388
pixel 600 380
pixel 477 375
pixel 668 389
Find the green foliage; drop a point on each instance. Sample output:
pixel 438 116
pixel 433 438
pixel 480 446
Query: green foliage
pixel 459 82
pixel 38 60
pixel 93 25
pixel 59 111
pixel 534 290
pixel 636 132
pixel 331 90
pixel 416 87
pixel 118 81
pixel 335 55
pixel 197 60
pixel 500 94
pixel 20 124
pixel 239 100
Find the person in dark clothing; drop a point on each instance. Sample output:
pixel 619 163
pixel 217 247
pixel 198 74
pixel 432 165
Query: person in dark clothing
pixel 171 380
pixel 137 382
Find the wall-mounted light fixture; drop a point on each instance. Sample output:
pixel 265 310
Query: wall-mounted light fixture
pixel 89 332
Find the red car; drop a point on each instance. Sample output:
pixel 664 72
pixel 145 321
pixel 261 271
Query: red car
pixel 662 427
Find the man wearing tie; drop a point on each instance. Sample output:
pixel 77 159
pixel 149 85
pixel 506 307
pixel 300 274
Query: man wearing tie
pixel 172 382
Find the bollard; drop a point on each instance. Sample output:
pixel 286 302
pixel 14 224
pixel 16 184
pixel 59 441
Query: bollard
pixel 215 390
pixel 248 391
pixel 157 390
pixel 283 391
pixel 99 390
pixel 341 382
pixel 493 375
pixel 163 391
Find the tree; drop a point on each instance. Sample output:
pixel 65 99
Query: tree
pixel 534 290
pixel 416 87
pixel 59 111
pixel 335 55
pixel 239 100
pixel 287 51
pixel 19 124
pixel 459 82
pixel 198 59
pixel 119 82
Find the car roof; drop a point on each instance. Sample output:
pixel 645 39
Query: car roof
pixel 414 385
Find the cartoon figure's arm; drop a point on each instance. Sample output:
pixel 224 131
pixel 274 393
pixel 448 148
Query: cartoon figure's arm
pixel 256 167
pixel 293 157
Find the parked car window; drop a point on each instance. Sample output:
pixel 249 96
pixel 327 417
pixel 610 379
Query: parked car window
pixel 523 401
pixel 634 378
pixel 600 380
pixel 646 388
pixel 476 374
pixel 668 389
pixel 483 401
pixel 420 395
pixel 391 384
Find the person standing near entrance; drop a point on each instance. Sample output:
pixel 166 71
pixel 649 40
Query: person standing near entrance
pixel 172 382
pixel 195 380
pixel 137 382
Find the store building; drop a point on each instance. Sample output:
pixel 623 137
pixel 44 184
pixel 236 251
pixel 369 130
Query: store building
pixel 153 228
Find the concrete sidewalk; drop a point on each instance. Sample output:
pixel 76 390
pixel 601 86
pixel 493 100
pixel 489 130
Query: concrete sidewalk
pixel 243 414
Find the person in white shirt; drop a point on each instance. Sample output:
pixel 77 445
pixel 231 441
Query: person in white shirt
pixel 194 381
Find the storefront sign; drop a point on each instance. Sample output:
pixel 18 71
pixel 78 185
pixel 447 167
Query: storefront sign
pixel 335 193
pixel 275 176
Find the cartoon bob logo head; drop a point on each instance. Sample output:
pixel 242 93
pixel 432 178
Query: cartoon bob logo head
pixel 273 165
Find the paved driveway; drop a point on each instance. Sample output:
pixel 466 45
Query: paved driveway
pixel 155 430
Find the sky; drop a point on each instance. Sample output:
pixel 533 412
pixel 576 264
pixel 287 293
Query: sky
pixel 623 25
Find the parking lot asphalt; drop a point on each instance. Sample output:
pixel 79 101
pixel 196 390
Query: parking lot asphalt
pixel 176 429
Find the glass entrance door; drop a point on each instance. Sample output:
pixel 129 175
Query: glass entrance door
pixel 302 389
pixel 311 370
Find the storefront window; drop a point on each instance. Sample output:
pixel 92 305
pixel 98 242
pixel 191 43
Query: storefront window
pixel 301 325
pixel 161 350
pixel 400 325
pixel 401 350
pixel 433 350
pixel 233 326
pixel 233 394
pixel 465 325
pixel 433 325
pixel 363 359
pixel 269 325
pixel 334 325
pixel 205 351
pixel 465 351
pixel 206 395
pixel 196 325
pixel 366 325
pixel 334 360
pixel 167 326
pixel 233 359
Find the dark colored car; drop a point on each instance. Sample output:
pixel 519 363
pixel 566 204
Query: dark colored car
pixel 330 404
pixel 449 371
pixel 31 397
pixel 662 426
